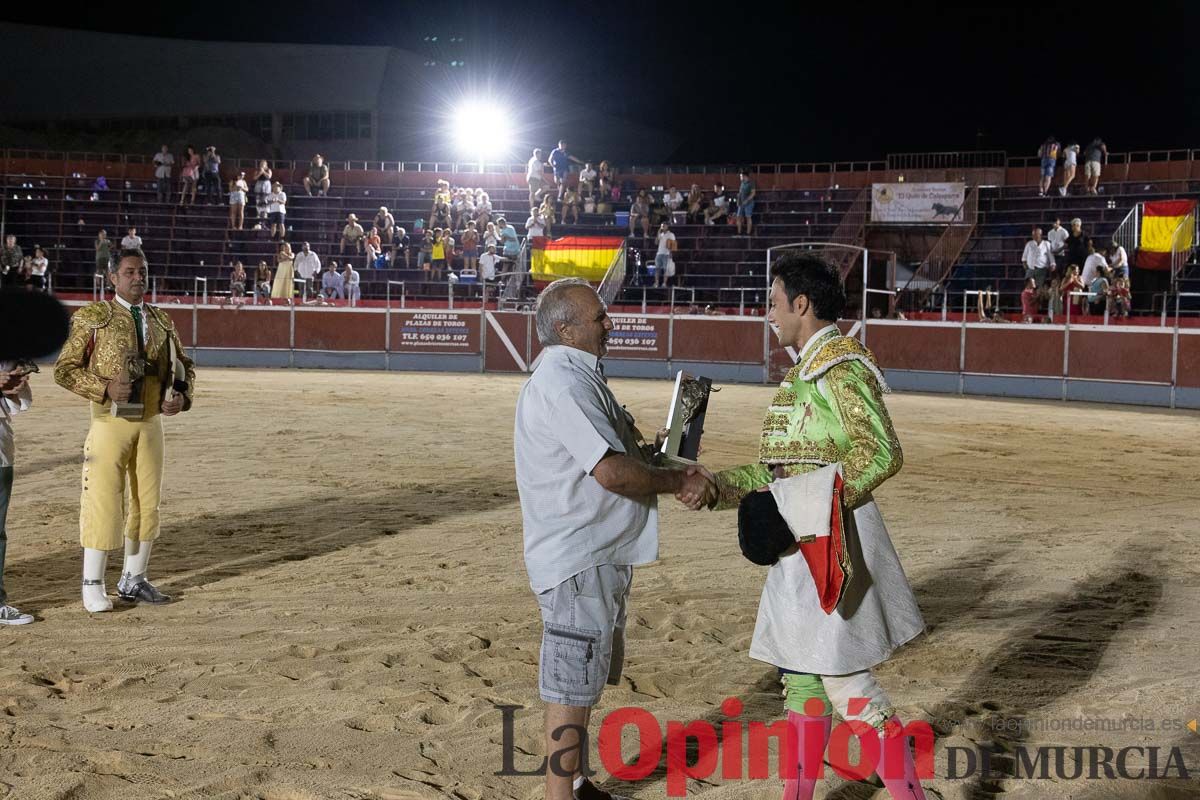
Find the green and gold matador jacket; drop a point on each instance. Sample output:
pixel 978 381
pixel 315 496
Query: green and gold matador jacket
pixel 829 408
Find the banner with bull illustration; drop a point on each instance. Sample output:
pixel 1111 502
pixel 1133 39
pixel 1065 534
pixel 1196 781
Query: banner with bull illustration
pixel 917 203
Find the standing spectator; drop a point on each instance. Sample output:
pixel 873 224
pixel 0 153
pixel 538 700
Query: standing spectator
pixel 332 283
pixel 560 163
pixel 400 245
pixel 163 161
pixel 437 258
pixel 487 263
pixel 639 211
pixel 373 245
pixel 1096 155
pixel 1057 237
pixel 1120 298
pixel 10 260
pixel 1071 284
pixel 237 202
pixel 470 246
pixel 262 282
pixel 1037 258
pixel 1048 153
pixel 534 176
pixel 40 267
pixel 664 258
pixel 535 226
pixel 570 206
pixel 212 176
pixel 277 212
pixel 587 180
pixel 442 193
pixel 1093 264
pixel 1054 298
pixel 283 287
pixel 745 209
pixel 1118 261
pixel 131 241
pixel 237 281
pixel 15 397
pixel 308 266
pixel 695 205
pixel 318 176
pixel 1070 158
pixel 719 208
pixel 605 178
pixel 490 237
pixel 103 248
pixel 1077 244
pixel 425 252
pixel 350 284
pixel 262 189
pixel 189 176
pixel 386 224
pixel 510 243
pixel 352 234
pixel 1029 303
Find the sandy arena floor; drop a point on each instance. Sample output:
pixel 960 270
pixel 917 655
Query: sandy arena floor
pixel 346 548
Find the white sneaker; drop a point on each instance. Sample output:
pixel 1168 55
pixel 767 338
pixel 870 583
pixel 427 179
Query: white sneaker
pixel 95 599
pixel 10 616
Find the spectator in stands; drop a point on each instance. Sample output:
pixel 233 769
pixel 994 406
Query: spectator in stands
pixel 673 201
pixel 373 245
pixel 470 247
pixel 745 209
pixel 490 237
pixel 277 212
pixel 262 189
pixel 560 163
pixel 350 284
pixel 386 224
pixel 317 177
pixel 1048 153
pixel 1077 244
pixel 188 177
pixel 719 208
pixel 212 176
pixel 237 202
pixel 1053 298
pixel 695 205
pixel 103 248
pixel 639 211
pixel 425 252
pixel 1071 284
pixel 332 283
pixel 24 275
pixel 131 241
pixel 352 234
pixel 1118 261
pixel 1029 301
pixel 605 177
pixel 442 193
pixel 548 215
pixel 535 171
pixel 400 243
pixel 1120 298
pixel 1096 155
pixel 40 267
pixel 163 161
pixel 262 282
pixel 483 209
pixel 10 260
pixel 1057 237
pixel 237 281
pixel 510 243
pixel 437 258
pixel 664 257
pixel 462 208
pixel 1098 292
pixel 487 263
pixel 283 288
pixel 308 266
pixel 535 226
pixel 1070 158
pixel 440 216
pixel 1093 264
pixel 587 181
pixel 570 206
pixel 1037 258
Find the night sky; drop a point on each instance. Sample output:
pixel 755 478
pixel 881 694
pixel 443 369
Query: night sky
pixel 753 82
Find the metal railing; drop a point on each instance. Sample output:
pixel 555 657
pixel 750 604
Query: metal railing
pixel 1126 234
pixel 1183 243
pixel 938 265
pixel 851 231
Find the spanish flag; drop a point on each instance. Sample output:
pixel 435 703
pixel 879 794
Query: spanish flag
pixel 1161 219
pixel 587 257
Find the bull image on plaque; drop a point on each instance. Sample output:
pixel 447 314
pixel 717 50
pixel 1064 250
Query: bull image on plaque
pixel 685 420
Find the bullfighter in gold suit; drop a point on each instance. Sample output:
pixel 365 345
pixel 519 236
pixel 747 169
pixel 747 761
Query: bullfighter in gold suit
pixel 122 353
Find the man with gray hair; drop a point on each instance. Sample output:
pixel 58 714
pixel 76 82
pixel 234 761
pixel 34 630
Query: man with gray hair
pixel 589 505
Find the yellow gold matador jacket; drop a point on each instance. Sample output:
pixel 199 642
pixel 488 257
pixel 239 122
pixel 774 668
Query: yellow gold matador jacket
pixel 102 334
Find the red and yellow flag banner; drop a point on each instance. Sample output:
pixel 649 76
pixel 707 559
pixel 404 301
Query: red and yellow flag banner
pixel 1160 221
pixel 587 257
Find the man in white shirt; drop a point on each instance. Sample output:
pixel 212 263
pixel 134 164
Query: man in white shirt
pixel 535 172
pixel 277 211
pixel 536 224
pixel 587 180
pixel 308 267
pixel 350 284
pixel 664 263
pixel 1057 237
pixel 332 283
pixel 1092 265
pixel 1037 258
pixel 131 241
pixel 672 199
pixel 15 397
pixel 589 505
pixel 163 161
pixel 1118 261
pixel 487 264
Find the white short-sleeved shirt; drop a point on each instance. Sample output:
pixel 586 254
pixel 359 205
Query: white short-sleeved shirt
pixel 277 203
pixel 664 249
pixel 567 420
pixel 1037 255
pixel 131 243
pixel 10 406
pixel 1057 237
pixel 535 168
pixel 1091 268
pixel 307 265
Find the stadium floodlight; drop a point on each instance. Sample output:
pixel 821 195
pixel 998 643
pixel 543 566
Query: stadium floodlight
pixel 482 131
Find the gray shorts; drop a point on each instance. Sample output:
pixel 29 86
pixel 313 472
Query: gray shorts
pixel 583 635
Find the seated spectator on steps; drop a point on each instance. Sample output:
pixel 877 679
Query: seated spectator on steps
pixel 570 206
pixel 719 208
pixel 1098 292
pixel 352 234
pixel 386 224
pixel 548 215
pixel 1120 298
pixel 695 205
pixel 131 241
pixel 318 176
pixel 587 181
pixel 673 200
pixel 639 212
pixel 350 281
pixel 262 282
pixel 332 283
pixel 400 248
pixel 237 281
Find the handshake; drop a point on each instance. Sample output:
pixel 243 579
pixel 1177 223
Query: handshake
pixel 698 489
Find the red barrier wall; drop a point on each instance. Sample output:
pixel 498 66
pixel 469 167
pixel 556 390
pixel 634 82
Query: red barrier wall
pixel 718 339
pixel 340 330
pixel 1012 351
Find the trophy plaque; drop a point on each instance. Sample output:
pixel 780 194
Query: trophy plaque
pixel 685 421
pixel 134 370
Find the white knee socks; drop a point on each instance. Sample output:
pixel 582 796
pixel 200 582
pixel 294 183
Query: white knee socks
pixel 137 558
pixel 95 599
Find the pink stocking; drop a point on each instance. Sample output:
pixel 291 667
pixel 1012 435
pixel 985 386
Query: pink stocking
pixel 806 729
pixel 907 787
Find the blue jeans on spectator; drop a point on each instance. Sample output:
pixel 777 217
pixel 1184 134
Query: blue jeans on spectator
pixel 212 187
pixel 6 479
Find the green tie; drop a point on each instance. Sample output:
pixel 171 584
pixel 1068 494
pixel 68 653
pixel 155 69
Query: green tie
pixel 137 323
